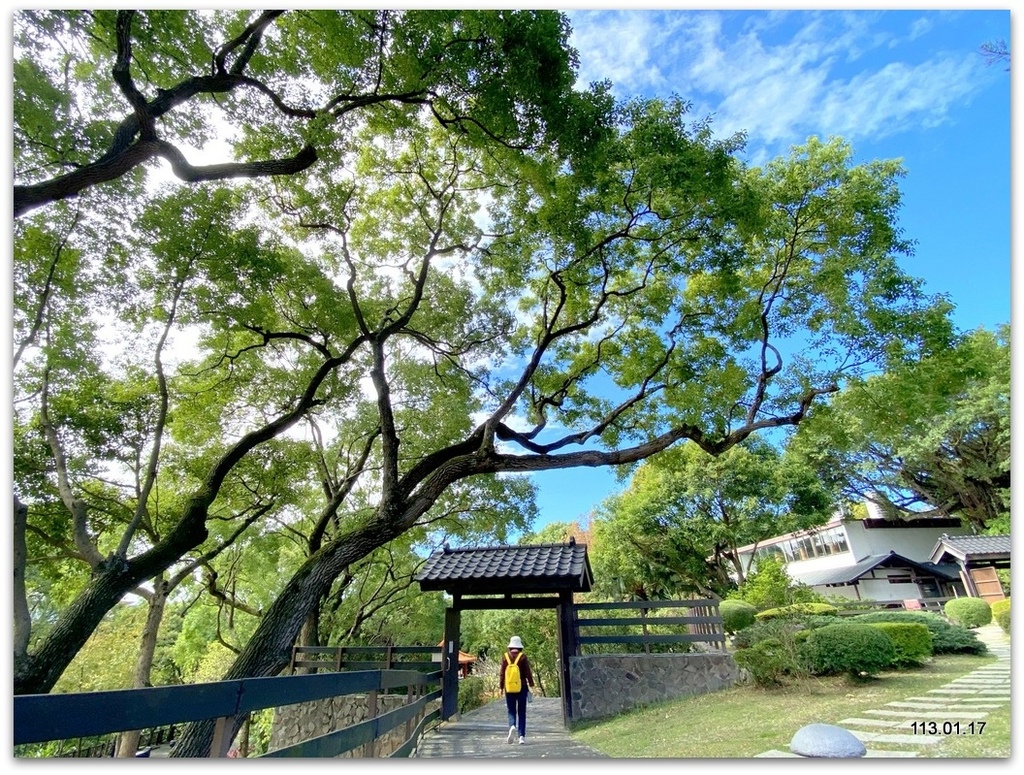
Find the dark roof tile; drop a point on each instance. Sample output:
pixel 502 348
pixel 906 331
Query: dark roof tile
pixel 506 569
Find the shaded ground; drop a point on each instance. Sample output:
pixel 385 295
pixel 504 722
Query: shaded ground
pixel 481 734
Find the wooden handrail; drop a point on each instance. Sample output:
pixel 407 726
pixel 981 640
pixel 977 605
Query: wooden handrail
pixel 41 718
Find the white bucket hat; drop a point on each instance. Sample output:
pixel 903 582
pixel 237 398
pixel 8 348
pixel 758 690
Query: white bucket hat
pixel 515 643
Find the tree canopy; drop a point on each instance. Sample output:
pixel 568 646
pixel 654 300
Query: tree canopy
pixel 482 271
pixel 931 437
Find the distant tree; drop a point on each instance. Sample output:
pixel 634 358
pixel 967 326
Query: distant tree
pixel 931 437
pixel 678 527
pixel 769 585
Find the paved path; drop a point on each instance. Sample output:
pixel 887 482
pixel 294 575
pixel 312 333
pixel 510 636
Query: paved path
pixel 888 732
pixel 481 734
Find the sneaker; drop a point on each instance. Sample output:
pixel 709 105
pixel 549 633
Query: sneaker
pixel 522 741
pixel 511 735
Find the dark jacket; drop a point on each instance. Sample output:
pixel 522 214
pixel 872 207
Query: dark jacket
pixel 524 670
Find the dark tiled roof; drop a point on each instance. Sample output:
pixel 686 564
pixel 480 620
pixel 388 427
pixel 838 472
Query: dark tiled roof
pixel 850 573
pixel 504 569
pixel 971 548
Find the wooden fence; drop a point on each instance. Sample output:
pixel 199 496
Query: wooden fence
pixel 854 607
pixel 40 718
pixel 336 658
pixel 656 626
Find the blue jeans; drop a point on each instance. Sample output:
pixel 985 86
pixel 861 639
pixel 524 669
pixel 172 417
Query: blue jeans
pixel 516 704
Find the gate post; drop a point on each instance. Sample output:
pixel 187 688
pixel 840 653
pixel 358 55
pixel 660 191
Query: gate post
pixel 568 646
pixel 450 663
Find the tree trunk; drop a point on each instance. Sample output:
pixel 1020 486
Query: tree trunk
pixel 128 744
pixel 22 615
pixel 36 674
pixel 269 649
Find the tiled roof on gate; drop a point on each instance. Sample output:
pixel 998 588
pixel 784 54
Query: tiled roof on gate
pixel 504 569
pixel 971 547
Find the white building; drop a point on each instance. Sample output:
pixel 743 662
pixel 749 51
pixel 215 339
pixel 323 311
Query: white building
pixel 867 559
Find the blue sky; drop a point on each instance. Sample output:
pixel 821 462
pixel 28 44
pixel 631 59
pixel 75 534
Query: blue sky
pixel 908 84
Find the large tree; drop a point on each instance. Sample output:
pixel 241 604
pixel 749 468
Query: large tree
pixel 621 293
pixel 106 281
pixel 927 438
pixel 677 290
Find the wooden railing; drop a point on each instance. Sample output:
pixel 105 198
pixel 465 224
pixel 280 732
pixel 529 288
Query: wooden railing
pixel 40 718
pixel 702 624
pixel 364 658
pixel 854 607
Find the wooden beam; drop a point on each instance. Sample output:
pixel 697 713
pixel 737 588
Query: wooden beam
pixel 504 603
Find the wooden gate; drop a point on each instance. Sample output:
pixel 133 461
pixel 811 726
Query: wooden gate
pixel 987 584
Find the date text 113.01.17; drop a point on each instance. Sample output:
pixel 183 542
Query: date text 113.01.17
pixel 947 727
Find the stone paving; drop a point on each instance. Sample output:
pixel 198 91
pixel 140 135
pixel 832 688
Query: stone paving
pixel 481 734
pixel 953 708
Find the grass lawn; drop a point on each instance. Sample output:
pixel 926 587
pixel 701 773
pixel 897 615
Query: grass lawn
pixel 744 721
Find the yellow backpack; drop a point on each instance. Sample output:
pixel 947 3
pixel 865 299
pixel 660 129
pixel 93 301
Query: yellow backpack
pixel 513 679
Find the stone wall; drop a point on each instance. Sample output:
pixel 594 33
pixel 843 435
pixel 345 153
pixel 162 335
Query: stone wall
pixel 298 723
pixel 606 684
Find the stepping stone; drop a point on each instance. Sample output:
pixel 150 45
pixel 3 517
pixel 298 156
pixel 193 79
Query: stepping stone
pixel 937 706
pixel 882 754
pixel 877 737
pixel 870 722
pixel 942 715
pixel 945 690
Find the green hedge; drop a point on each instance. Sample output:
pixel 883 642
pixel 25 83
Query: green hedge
pixel 768 661
pixel 798 609
pixel 946 638
pixel 1001 614
pixel 736 615
pixel 969 612
pixel 856 650
pixel 913 642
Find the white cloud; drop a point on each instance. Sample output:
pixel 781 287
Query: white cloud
pixel 782 76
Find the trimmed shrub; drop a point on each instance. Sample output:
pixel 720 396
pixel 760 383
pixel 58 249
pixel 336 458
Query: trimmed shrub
pixel 856 650
pixel 1001 614
pixel 913 642
pixel 969 612
pixel 768 662
pixel 946 638
pixel 471 693
pixel 736 615
pixel 798 609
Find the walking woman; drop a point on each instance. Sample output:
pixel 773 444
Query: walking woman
pixel 516 679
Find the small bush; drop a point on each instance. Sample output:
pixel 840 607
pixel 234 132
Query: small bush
pixel 798 609
pixel 777 629
pixel 770 585
pixel 856 650
pixel 472 693
pixel 913 642
pixel 946 638
pixel 768 662
pixel 1001 614
pixel 969 612
pixel 736 614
